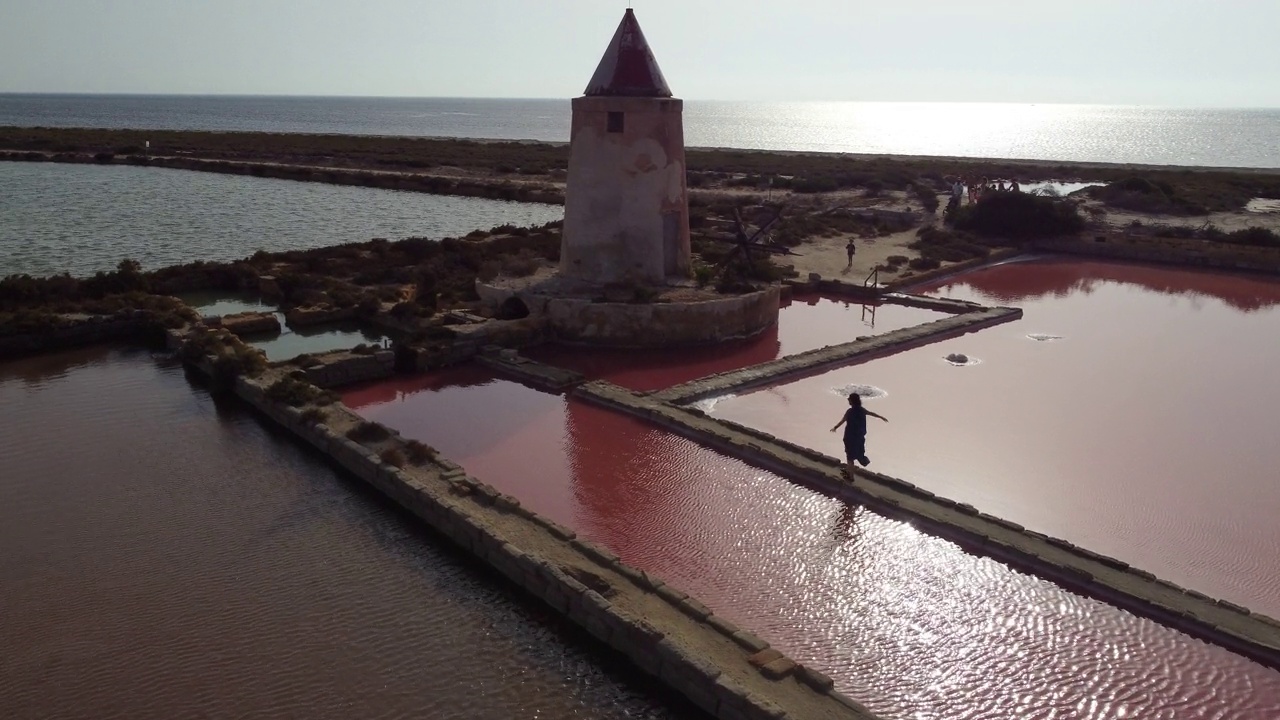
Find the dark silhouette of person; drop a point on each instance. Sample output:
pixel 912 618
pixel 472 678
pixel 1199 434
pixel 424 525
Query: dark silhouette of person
pixel 855 431
pixel 850 249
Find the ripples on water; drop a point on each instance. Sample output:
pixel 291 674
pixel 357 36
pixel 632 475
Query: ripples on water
pixel 83 218
pixel 165 557
pixel 906 623
pixel 1148 434
pixel 1149 135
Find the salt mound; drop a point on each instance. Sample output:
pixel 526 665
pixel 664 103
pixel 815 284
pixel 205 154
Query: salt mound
pixel 866 392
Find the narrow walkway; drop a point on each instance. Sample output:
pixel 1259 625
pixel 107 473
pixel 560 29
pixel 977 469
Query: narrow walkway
pixel 1077 569
pixel 796 365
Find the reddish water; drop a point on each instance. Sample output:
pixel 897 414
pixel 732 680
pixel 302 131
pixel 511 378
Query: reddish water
pixel 1147 432
pixel 906 623
pixel 806 322
pixel 165 557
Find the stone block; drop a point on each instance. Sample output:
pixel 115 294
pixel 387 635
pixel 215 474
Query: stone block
pixel 722 626
pixel 764 657
pixel 817 680
pixel 778 669
pixel 506 503
pixel 671 595
pixel 694 609
pixel 594 551
pixel 559 531
pixel 749 641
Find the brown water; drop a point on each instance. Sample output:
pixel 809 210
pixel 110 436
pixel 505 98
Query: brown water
pixel 166 557
pixel 906 623
pixel 806 322
pixel 1146 432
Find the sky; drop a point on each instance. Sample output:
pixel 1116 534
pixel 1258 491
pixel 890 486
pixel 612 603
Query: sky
pixel 1185 53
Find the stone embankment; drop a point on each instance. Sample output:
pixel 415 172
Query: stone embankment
pixel 723 669
pixel 346 367
pixel 497 189
pixel 78 331
pixel 1075 568
pixel 863 348
pixel 1168 251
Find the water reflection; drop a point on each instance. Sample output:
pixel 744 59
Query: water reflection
pixel 1146 434
pixel 905 622
pixel 805 322
pixel 164 556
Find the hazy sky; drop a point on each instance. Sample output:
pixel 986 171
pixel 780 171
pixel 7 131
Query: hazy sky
pixel 1158 52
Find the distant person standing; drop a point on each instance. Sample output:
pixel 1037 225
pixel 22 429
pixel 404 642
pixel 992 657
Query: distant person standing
pixel 1014 186
pixel 855 431
pixel 849 250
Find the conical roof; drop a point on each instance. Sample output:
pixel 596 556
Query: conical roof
pixel 628 68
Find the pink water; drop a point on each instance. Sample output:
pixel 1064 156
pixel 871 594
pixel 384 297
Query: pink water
pixel 1147 432
pixel 806 322
pixel 906 623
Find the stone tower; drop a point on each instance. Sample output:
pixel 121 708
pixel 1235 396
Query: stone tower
pixel 626 215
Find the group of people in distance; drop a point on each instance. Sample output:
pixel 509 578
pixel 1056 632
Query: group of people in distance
pixel 978 189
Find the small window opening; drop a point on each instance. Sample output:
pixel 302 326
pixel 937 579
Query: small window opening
pixel 615 122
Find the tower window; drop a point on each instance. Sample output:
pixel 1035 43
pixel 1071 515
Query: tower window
pixel 615 122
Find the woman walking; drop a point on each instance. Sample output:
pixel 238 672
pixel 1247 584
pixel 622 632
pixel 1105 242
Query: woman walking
pixel 855 431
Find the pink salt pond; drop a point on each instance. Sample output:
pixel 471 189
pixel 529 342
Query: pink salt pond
pixel 806 322
pixel 1131 411
pixel 906 623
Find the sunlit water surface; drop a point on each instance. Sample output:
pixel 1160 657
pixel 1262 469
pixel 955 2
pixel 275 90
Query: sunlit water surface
pixel 1100 133
pixel 904 622
pixel 83 218
pixel 164 556
pixel 1131 411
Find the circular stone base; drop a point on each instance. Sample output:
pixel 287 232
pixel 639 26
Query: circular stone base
pixel 674 315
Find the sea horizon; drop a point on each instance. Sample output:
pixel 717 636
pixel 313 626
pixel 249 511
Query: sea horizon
pixel 1246 138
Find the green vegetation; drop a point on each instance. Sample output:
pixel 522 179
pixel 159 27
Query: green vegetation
pixel 314 416
pixel 1019 216
pixel 297 392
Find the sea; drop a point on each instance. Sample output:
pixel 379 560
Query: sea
pixel 1215 137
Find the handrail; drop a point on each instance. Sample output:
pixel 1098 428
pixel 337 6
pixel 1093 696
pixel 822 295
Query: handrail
pixel 875 273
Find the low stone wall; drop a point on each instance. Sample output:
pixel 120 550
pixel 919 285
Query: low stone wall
pixel 1169 251
pixel 1114 581
pixel 247 323
pixel 79 332
pixel 530 372
pixel 343 367
pixel 577 320
pixel 813 360
pixel 724 670
pixel 318 315
pixel 949 269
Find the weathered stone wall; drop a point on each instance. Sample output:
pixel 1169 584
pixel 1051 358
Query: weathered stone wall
pixel 578 320
pixel 82 331
pixel 626 192
pixel 343 367
pixel 724 670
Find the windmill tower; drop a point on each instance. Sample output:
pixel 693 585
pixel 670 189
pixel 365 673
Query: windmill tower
pixel 626 202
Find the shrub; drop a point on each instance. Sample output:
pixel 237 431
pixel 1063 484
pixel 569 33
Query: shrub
pixel 393 456
pixel 896 260
pixel 418 452
pixel 924 263
pixel 314 416
pixel 927 196
pixel 1253 236
pixel 293 391
pixel 702 274
pixel 367 432
pixel 1019 216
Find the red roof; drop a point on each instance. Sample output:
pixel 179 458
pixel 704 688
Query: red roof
pixel 628 67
